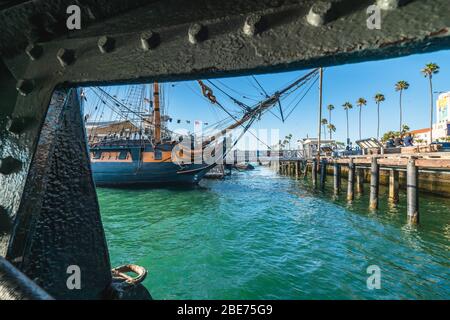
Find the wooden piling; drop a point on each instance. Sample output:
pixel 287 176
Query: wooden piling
pixel 337 178
pixel 393 186
pixel 323 173
pixel 412 193
pixel 314 172
pixel 305 169
pixel 374 183
pixel 351 180
pixel 360 180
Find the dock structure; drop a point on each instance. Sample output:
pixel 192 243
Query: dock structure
pixel 391 168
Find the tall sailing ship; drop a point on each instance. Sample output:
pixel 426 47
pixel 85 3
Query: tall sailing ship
pixel 137 147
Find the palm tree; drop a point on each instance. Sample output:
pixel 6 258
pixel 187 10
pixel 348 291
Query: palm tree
pixel 330 108
pixel 401 86
pixel 428 71
pixel 361 102
pixel 332 128
pixel 324 122
pixel 405 129
pixel 379 97
pixel 347 106
pixel 288 140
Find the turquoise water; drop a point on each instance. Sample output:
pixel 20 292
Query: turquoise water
pixel 258 235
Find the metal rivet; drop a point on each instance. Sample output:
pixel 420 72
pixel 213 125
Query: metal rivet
pixel 319 13
pixel 150 40
pixel 18 125
pixel 197 33
pixel 34 51
pixel 65 57
pixel 9 165
pixel 106 44
pixel 253 25
pixel 24 86
pixel 388 4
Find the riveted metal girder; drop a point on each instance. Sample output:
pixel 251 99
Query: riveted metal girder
pixel 285 39
pixel 47 195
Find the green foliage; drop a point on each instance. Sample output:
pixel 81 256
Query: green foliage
pixel 388 135
pixel 347 106
pixel 379 97
pixel 361 102
pixel 430 69
pixel 401 85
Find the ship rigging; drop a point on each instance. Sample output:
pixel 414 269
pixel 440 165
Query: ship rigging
pixel 136 145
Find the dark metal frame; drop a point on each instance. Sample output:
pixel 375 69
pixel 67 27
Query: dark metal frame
pixel 49 216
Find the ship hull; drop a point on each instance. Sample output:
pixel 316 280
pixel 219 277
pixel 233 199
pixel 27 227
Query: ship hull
pixel 151 174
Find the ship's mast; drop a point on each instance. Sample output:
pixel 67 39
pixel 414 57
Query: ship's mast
pixel 156 113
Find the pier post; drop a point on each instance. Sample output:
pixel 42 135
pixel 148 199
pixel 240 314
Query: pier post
pixel 314 172
pixel 323 173
pixel 393 186
pixel 374 183
pixel 305 169
pixel 412 193
pixel 337 178
pixel 297 168
pixel 360 180
pixel 351 180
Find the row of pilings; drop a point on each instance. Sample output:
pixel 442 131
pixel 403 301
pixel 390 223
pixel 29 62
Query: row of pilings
pixel 318 171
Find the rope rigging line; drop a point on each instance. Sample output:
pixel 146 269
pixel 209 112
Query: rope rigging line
pixel 312 84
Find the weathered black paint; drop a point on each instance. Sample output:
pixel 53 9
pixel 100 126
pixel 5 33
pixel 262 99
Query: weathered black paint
pixel 49 203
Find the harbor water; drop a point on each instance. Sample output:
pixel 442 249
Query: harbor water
pixel 258 235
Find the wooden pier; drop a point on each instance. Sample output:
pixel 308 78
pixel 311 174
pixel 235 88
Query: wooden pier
pixel 370 168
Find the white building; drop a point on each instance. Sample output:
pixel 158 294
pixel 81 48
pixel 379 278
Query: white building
pixel 309 146
pixel 441 128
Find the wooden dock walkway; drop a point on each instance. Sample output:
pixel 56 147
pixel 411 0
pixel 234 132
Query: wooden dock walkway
pixel 359 167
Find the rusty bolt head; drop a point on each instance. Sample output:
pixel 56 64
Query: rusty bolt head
pixel 197 33
pixel 25 86
pixel 34 51
pixel 9 165
pixel 150 40
pixel 65 57
pixel 18 125
pixel 319 13
pixel 389 4
pixel 253 25
pixel 106 44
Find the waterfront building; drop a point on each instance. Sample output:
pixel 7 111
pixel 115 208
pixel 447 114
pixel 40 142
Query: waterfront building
pixel 441 127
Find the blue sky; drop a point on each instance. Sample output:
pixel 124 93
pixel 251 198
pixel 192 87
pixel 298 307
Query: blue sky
pixel 341 84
